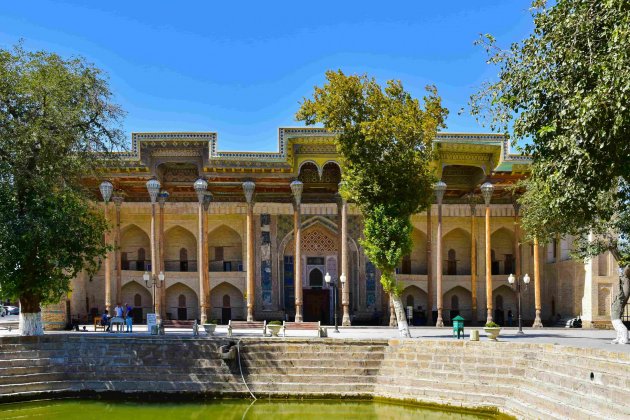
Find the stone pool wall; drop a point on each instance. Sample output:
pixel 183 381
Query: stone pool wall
pixel 525 380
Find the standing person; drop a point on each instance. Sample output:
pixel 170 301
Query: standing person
pixel 105 320
pixel 129 323
pixel 119 311
pixel 128 310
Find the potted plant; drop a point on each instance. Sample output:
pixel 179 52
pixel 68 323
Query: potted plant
pixel 210 326
pixel 492 329
pixel 274 327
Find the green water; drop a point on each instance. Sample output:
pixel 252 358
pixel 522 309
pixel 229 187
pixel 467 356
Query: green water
pixel 226 409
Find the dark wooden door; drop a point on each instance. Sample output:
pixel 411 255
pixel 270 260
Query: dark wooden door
pixel 226 315
pixel 317 305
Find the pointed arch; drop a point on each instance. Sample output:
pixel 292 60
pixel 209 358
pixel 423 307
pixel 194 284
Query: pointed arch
pixel 236 308
pixel 458 301
pixel 504 299
pixel 130 292
pixel 134 246
pixel 456 242
pixel 174 294
pixel 176 240
pixel 502 241
pixel 225 249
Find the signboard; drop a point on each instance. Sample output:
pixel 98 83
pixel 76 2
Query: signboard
pixel 151 321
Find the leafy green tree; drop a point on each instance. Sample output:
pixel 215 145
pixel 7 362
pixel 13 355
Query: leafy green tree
pixel 57 124
pixel 566 90
pixel 384 139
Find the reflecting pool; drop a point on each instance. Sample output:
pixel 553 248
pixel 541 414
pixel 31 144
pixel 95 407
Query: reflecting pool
pixel 70 409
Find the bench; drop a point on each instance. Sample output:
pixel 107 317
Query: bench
pixel 245 325
pixel 301 326
pixel 119 322
pixel 175 323
pixel 97 324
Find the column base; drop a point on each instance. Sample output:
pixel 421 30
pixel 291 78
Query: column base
pixel 203 319
pixel 345 322
pixel 439 322
pixel 489 316
pixel 537 321
pixel 298 313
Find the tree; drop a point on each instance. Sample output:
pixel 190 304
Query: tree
pixel 566 89
pixel 57 125
pixel 384 137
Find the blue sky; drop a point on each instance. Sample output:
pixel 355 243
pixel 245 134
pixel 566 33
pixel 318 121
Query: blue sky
pixel 241 68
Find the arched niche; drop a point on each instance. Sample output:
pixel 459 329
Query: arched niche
pixel 135 248
pixel 177 242
pixel 456 243
pixel 133 290
pixel 225 249
pixel 504 301
pixel 416 261
pixel 463 298
pixel 173 300
pixel 235 298
pixel 331 173
pixel 502 243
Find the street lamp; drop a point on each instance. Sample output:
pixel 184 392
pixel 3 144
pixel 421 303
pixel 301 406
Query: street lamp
pixel 330 282
pixel 512 279
pixel 157 281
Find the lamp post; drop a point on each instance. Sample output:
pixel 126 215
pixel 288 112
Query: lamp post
pixel 330 282
pixel 106 189
pixel 440 189
pixel 486 190
pixel 512 279
pixel 157 281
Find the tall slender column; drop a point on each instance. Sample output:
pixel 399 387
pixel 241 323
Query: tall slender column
pixel 537 321
pixel 207 199
pixel 473 257
pixel 429 269
pixel 201 187
pixel 108 269
pixel 440 188
pixel 517 241
pixel 248 189
pixel 487 189
pixel 296 188
pixel 345 286
pixel 153 187
pixel 161 266
pixel 106 189
pixel 118 199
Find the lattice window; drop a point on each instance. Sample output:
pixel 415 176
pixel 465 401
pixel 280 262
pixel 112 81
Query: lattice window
pixel 317 242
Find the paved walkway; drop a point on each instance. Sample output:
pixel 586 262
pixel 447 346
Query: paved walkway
pixel 575 337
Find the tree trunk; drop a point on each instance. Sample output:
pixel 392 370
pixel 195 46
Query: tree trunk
pixel 401 318
pixel 30 316
pixel 618 306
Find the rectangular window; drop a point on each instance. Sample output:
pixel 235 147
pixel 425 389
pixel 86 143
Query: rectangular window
pixel 315 261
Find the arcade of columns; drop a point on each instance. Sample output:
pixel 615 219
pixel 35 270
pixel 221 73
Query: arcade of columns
pixel 204 198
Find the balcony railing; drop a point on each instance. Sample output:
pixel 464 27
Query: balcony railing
pixel 218 266
pixel 182 266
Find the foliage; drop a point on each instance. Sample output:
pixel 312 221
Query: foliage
pixel 384 138
pixel 566 90
pixel 213 321
pixel 57 124
pixel 492 325
pixel 274 323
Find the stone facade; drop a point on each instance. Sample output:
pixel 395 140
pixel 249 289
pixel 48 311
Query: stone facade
pixel 464 162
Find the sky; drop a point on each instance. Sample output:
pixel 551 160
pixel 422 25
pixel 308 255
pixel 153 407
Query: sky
pixel 241 68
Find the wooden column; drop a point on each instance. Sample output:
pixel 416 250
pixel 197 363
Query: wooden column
pixel 250 262
pixel 160 265
pixel 117 254
pixel 296 189
pixel 473 259
pixel 206 267
pixel 488 268
pixel 107 264
pixel 517 242
pixel 438 268
pixel 154 263
pixel 429 269
pixel 537 321
pixel 200 266
pixel 248 190
pixel 345 287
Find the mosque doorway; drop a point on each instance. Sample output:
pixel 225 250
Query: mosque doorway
pixel 317 305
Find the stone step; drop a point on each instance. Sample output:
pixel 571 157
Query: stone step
pixel 324 363
pixel 310 370
pixel 309 379
pixel 32 377
pixel 315 355
pixel 30 362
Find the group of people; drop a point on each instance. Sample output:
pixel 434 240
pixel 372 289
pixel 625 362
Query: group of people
pixel 125 313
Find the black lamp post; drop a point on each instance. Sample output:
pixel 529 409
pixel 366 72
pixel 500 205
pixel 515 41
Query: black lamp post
pixel 330 282
pixel 512 279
